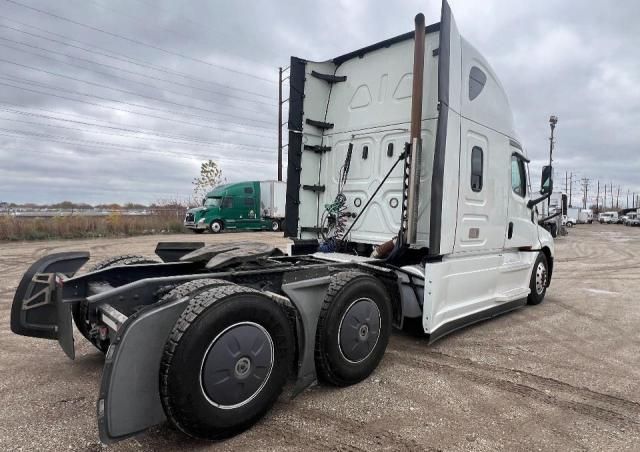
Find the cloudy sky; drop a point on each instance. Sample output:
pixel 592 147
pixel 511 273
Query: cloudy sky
pixel 121 100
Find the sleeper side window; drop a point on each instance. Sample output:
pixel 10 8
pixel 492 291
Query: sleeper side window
pixel 518 176
pixel 477 163
pixel 477 80
pixel 227 202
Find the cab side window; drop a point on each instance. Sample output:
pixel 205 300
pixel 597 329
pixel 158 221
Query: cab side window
pixel 476 169
pixel 518 176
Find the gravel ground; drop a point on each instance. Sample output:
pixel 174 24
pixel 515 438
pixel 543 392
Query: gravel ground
pixel 559 376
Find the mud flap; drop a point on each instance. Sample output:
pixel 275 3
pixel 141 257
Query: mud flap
pixel 129 399
pixel 307 295
pixel 38 309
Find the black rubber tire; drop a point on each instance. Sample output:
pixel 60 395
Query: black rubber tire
pixel 275 225
pixel 80 310
pixel 345 288
pixel 219 223
pixel 131 259
pixel 209 314
pixel 536 297
pixel 192 288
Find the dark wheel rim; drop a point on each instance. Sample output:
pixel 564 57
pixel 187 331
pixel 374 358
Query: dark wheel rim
pixel 237 365
pixel 541 277
pixel 359 330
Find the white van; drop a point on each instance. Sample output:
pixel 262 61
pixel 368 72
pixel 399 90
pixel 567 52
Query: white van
pixel 608 217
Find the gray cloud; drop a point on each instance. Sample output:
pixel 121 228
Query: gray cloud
pixel 574 59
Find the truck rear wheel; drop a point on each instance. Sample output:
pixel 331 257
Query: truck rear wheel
pixel 275 225
pixel 80 310
pixel 225 362
pixel 353 328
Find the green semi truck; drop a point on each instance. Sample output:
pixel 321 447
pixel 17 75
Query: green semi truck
pixel 253 205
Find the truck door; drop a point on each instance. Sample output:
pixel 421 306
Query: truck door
pixel 521 230
pixel 250 212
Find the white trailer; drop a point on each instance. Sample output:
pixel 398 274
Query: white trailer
pixel 585 216
pixel 273 195
pixel 573 216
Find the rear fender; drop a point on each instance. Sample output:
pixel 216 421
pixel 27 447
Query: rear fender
pixel 306 290
pixel 173 251
pixel 37 309
pixel 129 399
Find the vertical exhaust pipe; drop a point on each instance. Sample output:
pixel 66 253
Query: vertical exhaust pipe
pixel 416 130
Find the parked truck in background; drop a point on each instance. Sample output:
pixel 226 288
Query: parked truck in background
pixel 578 215
pixel 254 205
pixel 572 216
pixel 632 218
pixel 609 217
pixel 554 213
pixel 407 201
pixel 585 216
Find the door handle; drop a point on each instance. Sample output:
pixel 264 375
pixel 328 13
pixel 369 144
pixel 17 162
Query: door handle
pixel 510 231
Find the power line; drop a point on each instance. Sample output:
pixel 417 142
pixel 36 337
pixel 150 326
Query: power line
pixel 132 18
pixel 134 131
pixel 100 85
pixel 121 109
pixel 112 147
pixel 119 56
pixel 44 85
pixel 185 17
pixel 115 126
pixel 66 55
pixel 137 42
pixel 80 129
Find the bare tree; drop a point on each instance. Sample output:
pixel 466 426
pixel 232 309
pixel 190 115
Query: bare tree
pixel 210 176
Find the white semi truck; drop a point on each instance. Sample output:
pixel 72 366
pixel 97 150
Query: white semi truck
pixel 407 198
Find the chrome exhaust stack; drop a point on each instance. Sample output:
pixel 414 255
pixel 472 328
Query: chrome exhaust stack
pixel 416 132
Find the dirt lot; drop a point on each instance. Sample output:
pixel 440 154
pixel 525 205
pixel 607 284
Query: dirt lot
pixel 559 376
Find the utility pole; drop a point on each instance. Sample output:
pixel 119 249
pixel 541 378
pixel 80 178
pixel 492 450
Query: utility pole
pixel 570 190
pixel 553 120
pixel 627 198
pixel 618 198
pixel 611 193
pixel 280 124
pixel 598 198
pixel 604 207
pixel 585 191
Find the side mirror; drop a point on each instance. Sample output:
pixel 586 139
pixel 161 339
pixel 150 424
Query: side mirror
pixel 204 200
pixel 546 182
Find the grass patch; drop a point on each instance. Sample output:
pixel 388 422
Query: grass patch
pixel 79 227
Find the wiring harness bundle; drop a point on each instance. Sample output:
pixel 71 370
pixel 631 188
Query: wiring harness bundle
pixel 335 216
